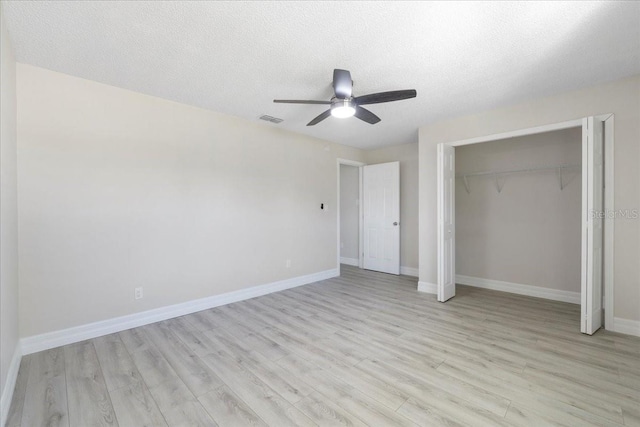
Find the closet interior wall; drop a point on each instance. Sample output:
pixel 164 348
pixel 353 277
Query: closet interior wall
pixel 522 227
pixel 349 211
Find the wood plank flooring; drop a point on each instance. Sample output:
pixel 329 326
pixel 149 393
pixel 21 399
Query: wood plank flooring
pixel 364 349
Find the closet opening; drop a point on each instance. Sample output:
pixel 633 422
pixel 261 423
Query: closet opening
pixel 521 212
pixel 349 212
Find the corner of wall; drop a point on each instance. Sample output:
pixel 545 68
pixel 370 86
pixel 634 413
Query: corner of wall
pixel 10 352
pixel 10 384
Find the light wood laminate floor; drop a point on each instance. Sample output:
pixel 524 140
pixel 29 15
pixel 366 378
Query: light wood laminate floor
pixel 361 349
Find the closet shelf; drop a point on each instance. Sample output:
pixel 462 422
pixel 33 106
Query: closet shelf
pixel 500 175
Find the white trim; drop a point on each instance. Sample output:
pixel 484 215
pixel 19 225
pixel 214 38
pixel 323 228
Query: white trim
pixel 409 271
pixel 10 384
pixel 584 212
pixel 609 223
pixel 359 165
pixel 350 162
pixel 54 339
pixel 626 326
pixel 520 132
pixel 426 287
pixel 350 261
pixel 520 289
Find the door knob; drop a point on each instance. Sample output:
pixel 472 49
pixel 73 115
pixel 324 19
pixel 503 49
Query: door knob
pixel 395 223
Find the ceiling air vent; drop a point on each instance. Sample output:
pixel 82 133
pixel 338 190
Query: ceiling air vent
pixel 270 119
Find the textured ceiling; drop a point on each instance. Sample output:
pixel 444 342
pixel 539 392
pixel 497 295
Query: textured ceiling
pixel 236 57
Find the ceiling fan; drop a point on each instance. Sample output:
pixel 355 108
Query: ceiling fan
pixel 344 104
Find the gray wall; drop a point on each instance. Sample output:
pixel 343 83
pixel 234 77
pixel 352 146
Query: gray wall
pixel 529 233
pixel 120 190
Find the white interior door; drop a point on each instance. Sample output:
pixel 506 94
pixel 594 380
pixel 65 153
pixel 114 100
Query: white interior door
pixel 592 224
pixel 446 222
pixel 381 194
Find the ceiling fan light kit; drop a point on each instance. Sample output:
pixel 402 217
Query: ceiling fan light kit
pixel 343 108
pixel 344 104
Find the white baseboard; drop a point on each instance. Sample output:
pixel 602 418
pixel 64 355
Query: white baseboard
pixel 10 384
pixel 409 271
pixel 54 339
pixel 350 261
pixel 626 326
pixel 430 288
pixel 517 288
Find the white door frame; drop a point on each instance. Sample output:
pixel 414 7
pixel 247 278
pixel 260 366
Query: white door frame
pixel 608 260
pixel 359 165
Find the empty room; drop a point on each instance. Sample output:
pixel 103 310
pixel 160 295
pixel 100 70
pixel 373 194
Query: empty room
pixel 315 213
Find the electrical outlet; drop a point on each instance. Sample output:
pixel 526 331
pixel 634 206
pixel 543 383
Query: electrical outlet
pixel 138 293
pixel 287 263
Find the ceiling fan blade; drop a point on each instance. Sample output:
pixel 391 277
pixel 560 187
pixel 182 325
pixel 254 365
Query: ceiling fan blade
pixel 377 98
pixel 366 115
pixel 342 83
pixel 320 118
pixel 300 101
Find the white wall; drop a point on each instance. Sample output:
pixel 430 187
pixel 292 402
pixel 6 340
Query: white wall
pixel 349 211
pixel 529 233
pixel 8 215
pixel 119 190
pixel 621 98
pixel 407 155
